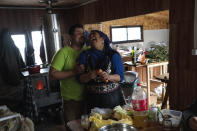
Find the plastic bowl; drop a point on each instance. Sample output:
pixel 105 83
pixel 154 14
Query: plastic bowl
pixel 176 117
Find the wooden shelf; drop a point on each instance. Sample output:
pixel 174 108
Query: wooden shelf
pixel 146 73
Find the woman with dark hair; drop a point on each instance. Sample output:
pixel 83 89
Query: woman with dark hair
pixel 103 70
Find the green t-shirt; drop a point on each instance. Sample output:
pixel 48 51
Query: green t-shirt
pixel 65 59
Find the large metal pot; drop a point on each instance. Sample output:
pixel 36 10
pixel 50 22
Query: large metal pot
pixel 118 127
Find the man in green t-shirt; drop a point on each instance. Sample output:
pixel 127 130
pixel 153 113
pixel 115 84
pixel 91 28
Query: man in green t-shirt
pixel 64 68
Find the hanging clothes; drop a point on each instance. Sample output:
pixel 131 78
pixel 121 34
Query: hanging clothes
pixel 11 59
pixel 29 50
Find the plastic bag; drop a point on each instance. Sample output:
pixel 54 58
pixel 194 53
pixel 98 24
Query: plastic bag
pixel 75 125
pixel 105 112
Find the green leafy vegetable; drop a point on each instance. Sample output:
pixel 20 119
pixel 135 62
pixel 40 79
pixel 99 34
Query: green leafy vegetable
pixel 158 54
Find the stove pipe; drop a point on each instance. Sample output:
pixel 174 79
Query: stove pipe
pixel 51 36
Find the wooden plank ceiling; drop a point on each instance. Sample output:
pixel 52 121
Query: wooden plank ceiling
pixel 36 3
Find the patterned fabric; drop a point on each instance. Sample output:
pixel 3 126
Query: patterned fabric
pixel 30 107
pixel 98 86
pixel 98 80
pixel 102 89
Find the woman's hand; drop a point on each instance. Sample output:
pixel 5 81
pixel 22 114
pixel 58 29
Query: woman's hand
pixel 78 69
pixel 193 123
pixel 92 74
pixel 84 78
pixel 104 75
pixel 107 77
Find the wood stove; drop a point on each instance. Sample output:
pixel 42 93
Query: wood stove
pixel 40 93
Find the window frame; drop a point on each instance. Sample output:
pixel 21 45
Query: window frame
pixel 14 34
pixel 127 41
pixel 23 33
pixel 38 47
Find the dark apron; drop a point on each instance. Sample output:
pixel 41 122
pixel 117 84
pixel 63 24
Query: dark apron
pixel 107 100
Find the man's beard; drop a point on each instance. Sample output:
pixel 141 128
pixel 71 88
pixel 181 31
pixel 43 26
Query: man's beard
pixel 80 44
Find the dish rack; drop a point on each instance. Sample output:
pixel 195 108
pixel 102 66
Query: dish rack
pixel 15 115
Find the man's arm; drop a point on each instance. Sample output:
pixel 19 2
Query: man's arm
pixel 60 75
pixel 84 78
pixel 189 113
pixel 193 123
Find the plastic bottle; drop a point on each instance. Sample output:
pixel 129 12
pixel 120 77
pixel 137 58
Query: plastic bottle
pixel 133 55
pixel 153 110
pixel 140 107
pixel 134 58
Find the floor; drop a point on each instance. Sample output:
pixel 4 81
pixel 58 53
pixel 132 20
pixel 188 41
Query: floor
pixel 50 121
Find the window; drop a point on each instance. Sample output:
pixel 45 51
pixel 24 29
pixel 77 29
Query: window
pixel 36 39
pixel 19 41
pixel 119 34
pixel 125 34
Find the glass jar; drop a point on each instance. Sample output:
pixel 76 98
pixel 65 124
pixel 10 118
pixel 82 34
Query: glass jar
pixel 85 123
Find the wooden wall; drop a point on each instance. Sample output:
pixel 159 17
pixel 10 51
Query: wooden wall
pixel 148 22
pixel 183 66
pixel 18 20
pixel 90 27
pixel 104 10
pixel 66 20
